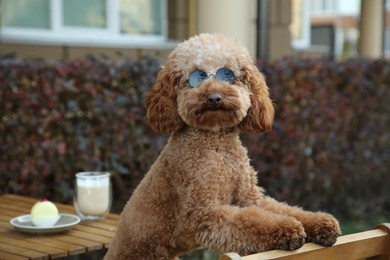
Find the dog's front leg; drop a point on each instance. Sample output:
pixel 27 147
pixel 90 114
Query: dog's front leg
pixel 321 228
pixel 225 228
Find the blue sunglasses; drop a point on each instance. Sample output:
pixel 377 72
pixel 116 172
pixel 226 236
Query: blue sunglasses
pixel 223 74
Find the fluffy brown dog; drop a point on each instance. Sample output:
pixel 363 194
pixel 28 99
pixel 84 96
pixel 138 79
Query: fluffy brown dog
pixel 202 192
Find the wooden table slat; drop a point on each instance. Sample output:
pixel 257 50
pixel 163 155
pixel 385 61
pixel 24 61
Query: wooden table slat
pixel 87 244
pixel 8 256
pixel 100 225
pixel 51 251
pixel 51 241
pixel 23 251
pixel 90 237
pixel 95 231
pixel 15 207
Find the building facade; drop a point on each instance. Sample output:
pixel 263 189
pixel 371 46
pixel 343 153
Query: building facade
pixel 59 29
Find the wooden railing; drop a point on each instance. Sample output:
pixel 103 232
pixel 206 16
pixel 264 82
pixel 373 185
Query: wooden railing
pixel 372 245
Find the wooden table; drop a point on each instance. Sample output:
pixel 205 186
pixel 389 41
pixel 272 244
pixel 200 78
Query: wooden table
pixel 85 237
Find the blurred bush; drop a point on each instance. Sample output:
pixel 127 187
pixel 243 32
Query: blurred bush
pixel 328 150
pixel 58 118
pixel 330 145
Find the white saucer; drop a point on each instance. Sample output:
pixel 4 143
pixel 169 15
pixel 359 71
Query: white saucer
pixel 24 223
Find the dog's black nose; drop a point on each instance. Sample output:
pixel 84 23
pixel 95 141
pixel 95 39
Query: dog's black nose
pixel 214 99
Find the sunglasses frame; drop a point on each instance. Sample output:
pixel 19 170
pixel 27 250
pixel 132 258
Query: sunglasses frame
pixel 215 76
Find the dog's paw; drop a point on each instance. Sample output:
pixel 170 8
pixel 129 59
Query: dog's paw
pixel 291 236
pixel 323 229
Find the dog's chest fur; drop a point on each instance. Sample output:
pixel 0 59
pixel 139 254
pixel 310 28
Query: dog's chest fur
pixel 205 161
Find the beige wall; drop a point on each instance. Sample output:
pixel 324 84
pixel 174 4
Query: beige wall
pixel 73 52
pixel 178 19
pixel 31 51
pixel 235 18
pixel 371 29
pixel 279 32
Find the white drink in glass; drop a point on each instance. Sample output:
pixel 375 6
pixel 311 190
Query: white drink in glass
pixel 93 195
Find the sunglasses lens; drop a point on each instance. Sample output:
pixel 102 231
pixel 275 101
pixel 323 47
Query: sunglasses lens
pixel 226 75
pixel 196 78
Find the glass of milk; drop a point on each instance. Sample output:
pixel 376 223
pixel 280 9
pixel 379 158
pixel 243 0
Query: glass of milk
pixel 93 195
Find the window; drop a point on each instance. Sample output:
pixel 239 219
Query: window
pixel 26 14
pixel 84 14
pixel 87 22
pixel 300 26
pixel 323 6
pixel 132 17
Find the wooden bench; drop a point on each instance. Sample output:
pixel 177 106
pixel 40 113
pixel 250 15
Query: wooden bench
pixel 372 245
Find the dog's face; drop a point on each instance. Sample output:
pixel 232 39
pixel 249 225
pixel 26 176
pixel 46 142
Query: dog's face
pixel 209 82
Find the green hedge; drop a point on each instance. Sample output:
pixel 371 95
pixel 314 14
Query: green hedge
pixel 330 145
pixel 328 150
pixel 58 118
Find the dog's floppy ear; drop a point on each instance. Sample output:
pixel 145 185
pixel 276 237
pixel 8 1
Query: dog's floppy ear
pixel 161 104
pixel 261 112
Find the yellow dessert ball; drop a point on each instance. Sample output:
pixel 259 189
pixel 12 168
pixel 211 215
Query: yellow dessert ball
pixel 44 208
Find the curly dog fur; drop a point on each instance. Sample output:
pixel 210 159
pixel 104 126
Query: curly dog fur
pixel 202 192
